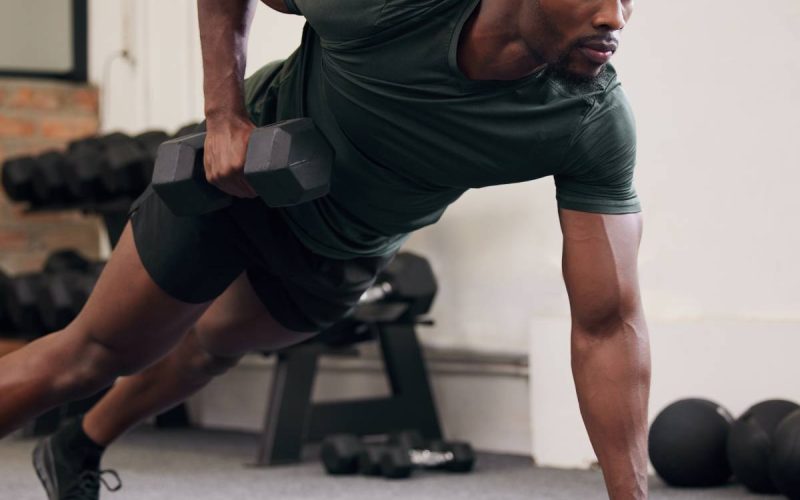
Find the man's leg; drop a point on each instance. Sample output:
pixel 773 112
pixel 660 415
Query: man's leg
pixel 236 323
pixel 68 462
pixel 128 323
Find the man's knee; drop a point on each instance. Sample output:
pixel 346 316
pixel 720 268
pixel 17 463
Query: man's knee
pixel 212 365
pixel 96 367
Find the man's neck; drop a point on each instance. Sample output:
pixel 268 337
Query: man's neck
pixel 490 46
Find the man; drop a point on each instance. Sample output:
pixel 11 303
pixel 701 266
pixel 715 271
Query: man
pixel 421 100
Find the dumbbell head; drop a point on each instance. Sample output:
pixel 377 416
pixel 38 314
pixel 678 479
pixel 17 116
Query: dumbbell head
pixel 20 296
pixel 340 453
pixel 396 463
pixel 463 455
pixel 288 163
pixel 369 461
pixel 411 279
pixel 83 170
pixel 49 182
pixel 93 142
pixel 66 260
pixel 18 176
pixel 5 320
pixel 126 164
pixel 179 177
pixel 55 301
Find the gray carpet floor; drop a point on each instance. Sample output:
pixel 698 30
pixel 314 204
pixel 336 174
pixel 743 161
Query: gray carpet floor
pixel 206 465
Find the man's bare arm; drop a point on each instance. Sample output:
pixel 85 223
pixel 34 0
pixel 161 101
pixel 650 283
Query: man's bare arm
pixel 224 30
pixel 610 347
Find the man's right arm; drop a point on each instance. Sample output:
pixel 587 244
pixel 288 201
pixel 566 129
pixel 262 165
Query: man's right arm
pixel 224 30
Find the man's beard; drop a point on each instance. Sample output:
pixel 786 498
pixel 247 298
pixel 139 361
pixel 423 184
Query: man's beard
pixel 560 72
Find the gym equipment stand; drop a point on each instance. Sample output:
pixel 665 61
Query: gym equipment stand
pixel 292 419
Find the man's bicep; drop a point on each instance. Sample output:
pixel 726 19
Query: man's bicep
pixel 600 266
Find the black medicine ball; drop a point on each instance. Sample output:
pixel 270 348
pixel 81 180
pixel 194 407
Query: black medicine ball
pixel 687 443
pixel 750 441
pixel 785 456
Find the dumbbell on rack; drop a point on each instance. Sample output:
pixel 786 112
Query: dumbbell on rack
pixel 402 293
pixel 66 283
pixel 287 163
pixel 347 454
pixel 43 302
pixel 19 295
pixel 94 169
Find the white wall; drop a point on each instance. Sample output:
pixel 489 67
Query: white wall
pixel 716 89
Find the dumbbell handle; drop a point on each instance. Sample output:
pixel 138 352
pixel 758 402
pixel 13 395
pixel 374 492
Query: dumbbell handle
pixel 376 293
pixel 428 458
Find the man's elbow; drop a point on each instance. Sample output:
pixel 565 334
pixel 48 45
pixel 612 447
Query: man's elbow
pixel 608 317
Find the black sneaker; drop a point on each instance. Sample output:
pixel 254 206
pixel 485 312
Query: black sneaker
pixel 67 474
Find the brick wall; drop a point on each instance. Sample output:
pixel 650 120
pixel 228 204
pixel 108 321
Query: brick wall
pixel 37 115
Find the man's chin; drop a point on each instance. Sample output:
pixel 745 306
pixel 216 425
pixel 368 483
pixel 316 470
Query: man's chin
pixel 583 79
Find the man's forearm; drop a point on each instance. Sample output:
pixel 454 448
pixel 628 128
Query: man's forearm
pixel 224 30
pixel 611 368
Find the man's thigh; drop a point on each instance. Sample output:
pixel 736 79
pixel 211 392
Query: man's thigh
pixel 238 322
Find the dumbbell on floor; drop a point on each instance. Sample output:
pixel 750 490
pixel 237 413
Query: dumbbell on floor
pixel 347 454
pixel 408 450
pixel 287 163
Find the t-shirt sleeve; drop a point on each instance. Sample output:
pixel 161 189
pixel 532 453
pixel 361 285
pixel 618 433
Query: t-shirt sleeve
pixel 292 6
pixel 597 172
pixel 353 22
pixel 338 21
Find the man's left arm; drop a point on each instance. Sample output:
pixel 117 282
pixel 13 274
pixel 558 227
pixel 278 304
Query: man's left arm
pixel 609 339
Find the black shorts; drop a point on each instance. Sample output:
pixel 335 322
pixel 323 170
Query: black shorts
pixel 195 258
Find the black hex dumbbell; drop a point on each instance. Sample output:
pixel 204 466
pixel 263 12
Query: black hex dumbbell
pixel 409 451
pixel 287 163
pixel 7 327
pixel 66 260
pixel 50 181
pixel 67 280
pixel 84 167
pixel 127 163
pixel 408 281
pixel 18 174
pixel 61 297
pixel 19 294
pixel 150 141
pixel 347 454
pixel 340 454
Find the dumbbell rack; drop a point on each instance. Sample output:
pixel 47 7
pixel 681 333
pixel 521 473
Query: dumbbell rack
pixel 292 419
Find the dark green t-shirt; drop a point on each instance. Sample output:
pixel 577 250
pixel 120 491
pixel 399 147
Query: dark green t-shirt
pixel 411 133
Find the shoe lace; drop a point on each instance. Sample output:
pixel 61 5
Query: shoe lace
pixel 88 484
